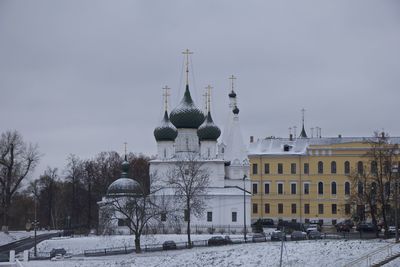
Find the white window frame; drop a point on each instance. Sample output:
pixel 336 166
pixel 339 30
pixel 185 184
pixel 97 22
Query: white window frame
pixel 277 188
pixel 258 188
pixel 269 188
pixel 304 188
pixel 291 188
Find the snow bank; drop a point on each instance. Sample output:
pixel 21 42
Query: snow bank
pixel 17 235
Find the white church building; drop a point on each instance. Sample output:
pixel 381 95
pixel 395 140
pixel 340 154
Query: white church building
pixel 187 130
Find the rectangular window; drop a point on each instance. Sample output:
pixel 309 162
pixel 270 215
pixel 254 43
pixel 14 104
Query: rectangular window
pixel 255 208
pixel 293 189
pixel 255 189
pixel 306 168
pixel 280 168
pixel 267 208
pixel 122 222
pixel 234 216
pixel 266 188
pixel 255 168
pixel 186 215
pixel 334 209
pixel 347 209
pixel 306 188
pixel 306 208
pixel 320 208
pixel 293 168
pixel 163 217
pixel 266 168
pixel 280 188
pixel 280 208
pixel 209 216
pixel 294 209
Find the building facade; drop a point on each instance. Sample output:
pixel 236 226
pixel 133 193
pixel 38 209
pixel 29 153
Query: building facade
pixel 303 179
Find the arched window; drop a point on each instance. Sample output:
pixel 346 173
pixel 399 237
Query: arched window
pixel 333 188
pixel 320 167
pixel 374 167
pixel 360 188
pixel 320 188
pixel 360 167
pixel 347 188
pixel 222 150
pixel 333 167
pixel 346 167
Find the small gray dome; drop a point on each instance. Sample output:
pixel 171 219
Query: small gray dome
pixel 208 130
pixel 123 186
pixel 166 131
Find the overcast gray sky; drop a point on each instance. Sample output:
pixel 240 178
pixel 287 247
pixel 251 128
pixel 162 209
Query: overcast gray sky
pixel 83 77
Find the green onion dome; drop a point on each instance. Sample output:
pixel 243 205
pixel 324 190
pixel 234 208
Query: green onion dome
pixel 208 130
pixel 186 114
pixel 124 186
pixel 166 131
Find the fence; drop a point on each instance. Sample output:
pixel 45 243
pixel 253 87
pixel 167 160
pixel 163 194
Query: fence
pixel 197 229
pixel 373 257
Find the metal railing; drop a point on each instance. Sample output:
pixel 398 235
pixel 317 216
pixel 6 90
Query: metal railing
pixel 373 257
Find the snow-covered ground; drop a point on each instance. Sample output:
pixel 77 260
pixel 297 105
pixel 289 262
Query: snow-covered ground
pixel 393 263
pixel 302 253
pixel 17 235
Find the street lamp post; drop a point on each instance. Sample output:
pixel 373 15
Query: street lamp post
pixel 395 169
pixel 35 226
pixel 244 206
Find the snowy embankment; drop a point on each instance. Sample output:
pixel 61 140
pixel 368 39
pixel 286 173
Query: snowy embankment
pixel 77 245
pixel 18 235
pixel 302 253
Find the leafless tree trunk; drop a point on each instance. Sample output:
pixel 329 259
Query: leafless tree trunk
pixel 190 181
pixel 17 160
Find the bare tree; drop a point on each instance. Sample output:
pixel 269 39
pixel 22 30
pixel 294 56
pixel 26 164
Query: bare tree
pixel 74 173
pixel 190 180
pixel 139 208
pixel 17 160
pixel 373 184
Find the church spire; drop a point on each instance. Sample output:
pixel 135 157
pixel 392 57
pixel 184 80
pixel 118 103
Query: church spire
pixel 303 131
pixel 187 53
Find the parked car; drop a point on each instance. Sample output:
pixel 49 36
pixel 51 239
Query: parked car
pixel 366 227
pixel 319 222
pixel 57 251
pixel 344 226
pixel 298 235
pixel 313 227
pixel 314 235
pixel 217 241
pixel 169 245
pixel 259 237
pixel 228 239
pixel 277 235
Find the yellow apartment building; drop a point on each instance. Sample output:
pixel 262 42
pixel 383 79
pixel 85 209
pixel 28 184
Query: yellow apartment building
pixel 302 179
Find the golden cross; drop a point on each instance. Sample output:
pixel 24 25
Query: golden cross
pixel 187 53
pixel 209 97
pixel 232 78
pixel 166 95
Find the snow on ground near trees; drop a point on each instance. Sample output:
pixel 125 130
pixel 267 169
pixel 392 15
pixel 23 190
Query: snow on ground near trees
pixel 17 235
pixel 393 263
pixel 77 245
pixel 301 253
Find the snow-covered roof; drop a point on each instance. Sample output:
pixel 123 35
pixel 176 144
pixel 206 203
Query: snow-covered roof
pixel 299 146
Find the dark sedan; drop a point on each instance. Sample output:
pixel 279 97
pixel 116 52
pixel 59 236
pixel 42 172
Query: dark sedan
pixel 217 241
pixel 169 245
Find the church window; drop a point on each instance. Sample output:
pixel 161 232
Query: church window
pixel 222 150
pixel 209 216
pixel 209 152
pixel 234 216
pixel 165 153
pixel 163 216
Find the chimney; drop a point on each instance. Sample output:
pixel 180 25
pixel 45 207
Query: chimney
pixel 251 139
pixel 291 137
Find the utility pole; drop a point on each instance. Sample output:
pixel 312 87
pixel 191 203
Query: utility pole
pixel 35 226
pixel 395 169
pixel 244 206
pixel 282 236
